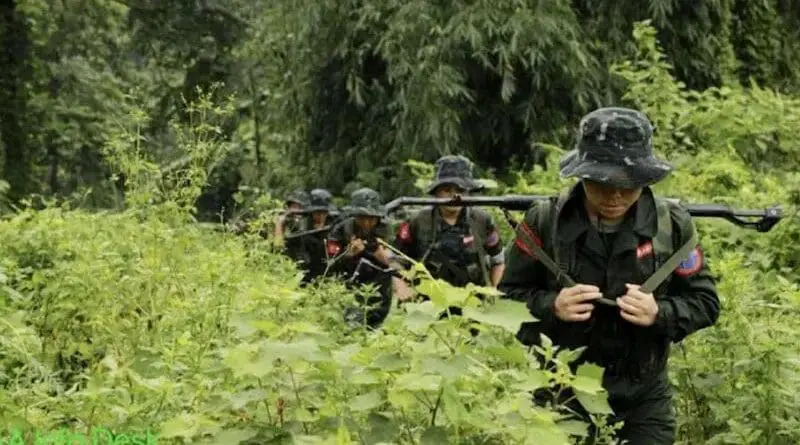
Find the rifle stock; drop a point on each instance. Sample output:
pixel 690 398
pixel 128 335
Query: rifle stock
pixel 766 218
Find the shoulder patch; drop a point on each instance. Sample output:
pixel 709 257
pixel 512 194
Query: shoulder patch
pixel 644 250
pixel 691 265
pixel 333 247
pixel 404 232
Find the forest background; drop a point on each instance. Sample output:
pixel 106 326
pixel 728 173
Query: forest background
pixel 122 122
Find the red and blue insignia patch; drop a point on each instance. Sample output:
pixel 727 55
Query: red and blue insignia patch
pixel 333 248
pixel 644 250
pixel 691 265
pixel 404 232
pixel 493 239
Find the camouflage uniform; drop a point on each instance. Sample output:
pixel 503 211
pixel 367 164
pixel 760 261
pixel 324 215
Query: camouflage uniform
pixel 459 253
pixel 615 148
pixel 364 202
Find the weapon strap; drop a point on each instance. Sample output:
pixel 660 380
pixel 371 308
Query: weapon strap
pixel 533 244
pixel 476 228
pixel 670 265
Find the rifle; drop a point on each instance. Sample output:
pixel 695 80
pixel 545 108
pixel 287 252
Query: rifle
pixel 369 262
pixel 294 235
pixel 767 218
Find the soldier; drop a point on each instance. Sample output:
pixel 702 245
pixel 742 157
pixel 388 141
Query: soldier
pixel 291 222
pixel 322 213
pixel 353 245
pixel 622 246
pixel 458 245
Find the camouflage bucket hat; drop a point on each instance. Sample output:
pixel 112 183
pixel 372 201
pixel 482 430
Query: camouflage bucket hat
pixel 615 147
pixel 321 200
pixel 455 170
pixel 298 196
pixel 366 202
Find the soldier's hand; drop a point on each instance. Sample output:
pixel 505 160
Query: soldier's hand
pixel 638 307
pixel 403 291
pixel 575 303
pixel 355 247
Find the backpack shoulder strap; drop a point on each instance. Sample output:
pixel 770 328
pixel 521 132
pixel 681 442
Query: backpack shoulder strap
pixel 424 220
pixel 477 225
pixel 422 217
pixel 663 243
pixel 546 221
pixel 348 229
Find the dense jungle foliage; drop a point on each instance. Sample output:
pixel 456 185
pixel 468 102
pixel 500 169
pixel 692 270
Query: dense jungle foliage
pixel 120 312
pixel 375 82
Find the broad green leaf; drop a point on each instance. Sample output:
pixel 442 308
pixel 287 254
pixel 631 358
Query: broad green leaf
pixel 512 354
pixel 533 379
pixel 304 415
pixel 244 362
pixel 450 369
pixel 574 427
pixel 305 349
pixel 507 314
pixel 241 399
pixel 542 432
pixel 235 436
pixel 381 429
pixel 418 321
pixel 434 435
pixel 418 382
pixel 484 290
pixel 366 401
pixel 588 378
pixel 595 403
pixel 188 426
pixel 453 407
pixel 401 399
pixel 364 377
pixel 390 361
pixel 435 290
pixel 344 355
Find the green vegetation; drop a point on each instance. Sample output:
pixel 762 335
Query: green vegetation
pixel 205 336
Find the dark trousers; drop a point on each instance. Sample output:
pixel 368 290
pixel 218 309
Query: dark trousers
pixel 645 407
pixel 377 305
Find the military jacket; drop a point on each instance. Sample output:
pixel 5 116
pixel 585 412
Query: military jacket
pixel 314 251
pixel 687 300
pixel 426 233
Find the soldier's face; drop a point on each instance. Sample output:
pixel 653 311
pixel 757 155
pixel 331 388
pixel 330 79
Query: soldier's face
pixel 319 217
pixel 366 222
pixel 609 202
pixel 449 191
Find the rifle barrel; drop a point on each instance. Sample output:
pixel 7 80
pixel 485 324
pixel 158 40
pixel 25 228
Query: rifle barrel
pixel 306 232
pixel 767 217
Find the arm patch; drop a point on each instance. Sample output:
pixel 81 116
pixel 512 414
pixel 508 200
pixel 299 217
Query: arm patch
pixel 404 232
pixel 333 247
pixel 691 265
